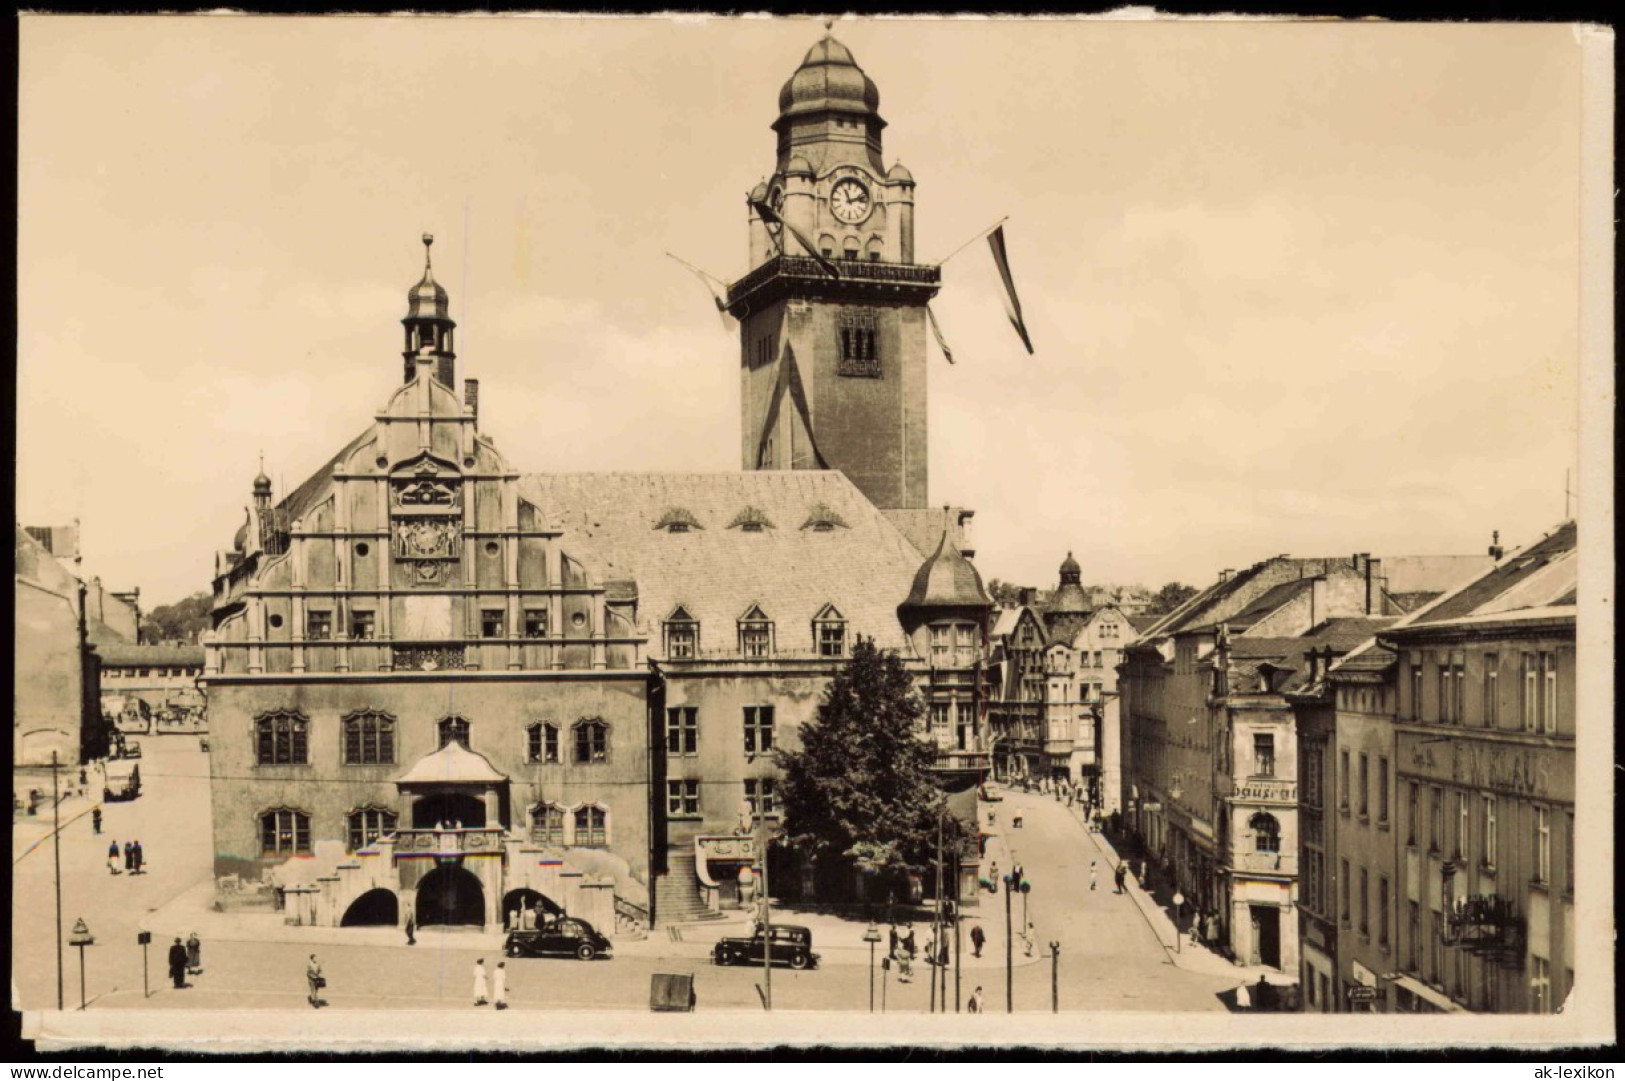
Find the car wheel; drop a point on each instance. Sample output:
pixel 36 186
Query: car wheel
pixel 514 950
pixel 798 960
pixel 585 952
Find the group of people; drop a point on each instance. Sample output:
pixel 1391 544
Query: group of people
pixel 186 959
pixel 499 985
pixel 134 859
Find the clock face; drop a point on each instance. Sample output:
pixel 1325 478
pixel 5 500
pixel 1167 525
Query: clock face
pixel 849 201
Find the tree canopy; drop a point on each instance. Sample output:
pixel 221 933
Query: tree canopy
pixel 1171 596
pixel 861 787
pixel 181 621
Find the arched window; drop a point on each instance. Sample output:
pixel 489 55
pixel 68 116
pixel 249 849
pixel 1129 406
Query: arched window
pixel 453 728
pixel 369 823
pixel 547 824
pixel 284 832
pixel 591 826
pixel 592 741
pixel 1266 832
pixel 282 738
pixel 369 739
pixel 542 743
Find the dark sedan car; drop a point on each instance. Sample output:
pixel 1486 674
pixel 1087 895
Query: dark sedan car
pixel 791 946
pixel 566 937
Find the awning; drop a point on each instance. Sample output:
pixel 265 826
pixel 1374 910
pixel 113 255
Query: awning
pixel 453 764
pixel 1436 999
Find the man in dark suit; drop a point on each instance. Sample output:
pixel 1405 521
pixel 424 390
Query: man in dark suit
pixel 177 963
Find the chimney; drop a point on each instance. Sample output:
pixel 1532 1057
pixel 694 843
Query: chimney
pixel 1496 551
pixel 1318 601
pixel 1376 583
pixel 1027 595
pixel 471 398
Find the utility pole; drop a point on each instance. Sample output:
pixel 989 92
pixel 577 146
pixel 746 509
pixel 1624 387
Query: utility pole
pixel 1054 977
pixel 958 943
pixel 56 848
pixel 767 917
pixel 936 925
pixel 1009 955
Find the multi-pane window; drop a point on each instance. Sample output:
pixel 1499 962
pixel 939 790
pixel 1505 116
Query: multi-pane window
pixel 1382 789
pixel 1365 784
pixel 284 832
pixel 1462 820
pixel 282 739
pixel 452 730
pixel 536 623
pixel 942 646
pixel 1436 822
pixel 363 624
pixel 682 636
pixel 1568 856
pixel 318 624
pixel 1530 696
pixel 1413 930
pixel 592 826
pixel 1344 781
pixel 1365 911
pixel 1490 830
pixel 369 739
pixel 1548 693
pixel 756 635
pixel 1382 911
pixel 1543 845
pixel 1343 892
pixel 682 730
pixel 1313 759
pixel 1452 679
pixel 592 741
pixel 829 633
pixel 683 799
pixel 1416 692
pixel 1540 985
pixel 1413 802
pixel 758 729
pixel 1263 754
pixel 367 824
pixel 542 743
pixel 858 328
pixel 547 824
pixel 1266 832
pixel 491 623
pixel 941 716
pixel 1492 690
pixel 764 800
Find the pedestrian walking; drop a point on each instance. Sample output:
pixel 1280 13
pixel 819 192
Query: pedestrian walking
pixel 315 980
pixel 1094 874
pixel 895 942
pixel 1120 873
pixel 411 928
pixel 942 952
pixel 993 874
pixel 1244 999
pixel 977 938
pixel 975 1003
pixel 1213 931
pixel 499 986
pixel 140 858
pixel 177 963
pixel 96 821
pixel 908 940
pixel 194 954
pixel 129 856
pixel 1261 998
pixel 479 983
pixel 112 859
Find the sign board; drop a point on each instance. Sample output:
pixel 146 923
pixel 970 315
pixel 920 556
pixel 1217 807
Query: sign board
pixel 1265 791
pixel 671 992
pixel 1364 976
pixel 1362 994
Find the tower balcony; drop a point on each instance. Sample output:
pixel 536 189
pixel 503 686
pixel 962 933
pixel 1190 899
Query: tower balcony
pixel 802 277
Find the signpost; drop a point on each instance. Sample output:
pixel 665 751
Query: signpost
pixel 1179 915
pixel 144 939
pixel 81 937
pixel 872 936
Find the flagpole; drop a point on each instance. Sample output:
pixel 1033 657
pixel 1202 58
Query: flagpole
pixel 973 240
pixel 697 270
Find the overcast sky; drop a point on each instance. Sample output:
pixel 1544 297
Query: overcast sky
pixel 1294 288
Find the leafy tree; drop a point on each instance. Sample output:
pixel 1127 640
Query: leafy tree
pixel 1171 596
pixel 1004 593
pixel 860 789
pixel 181 621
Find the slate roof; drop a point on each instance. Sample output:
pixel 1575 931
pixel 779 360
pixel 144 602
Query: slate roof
pixel 864 569
pixel 1249 654
pixel 947 580
pixel 1269 601
pixel 1536 576
pixel 164 654
pixel 298 503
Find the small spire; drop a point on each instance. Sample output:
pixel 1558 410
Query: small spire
pixel 829 24
pixel 428 242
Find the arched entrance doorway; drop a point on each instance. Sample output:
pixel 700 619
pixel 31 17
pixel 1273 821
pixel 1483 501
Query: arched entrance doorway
pixel 520 899
pixel 454 808
pixel 450 896
pixel 375 908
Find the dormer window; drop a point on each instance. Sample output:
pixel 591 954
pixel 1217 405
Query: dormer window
pixel 678 520
pixel 829 632
pixel 755 634
pixel 751 520
pixel 682 635
pixel 821 519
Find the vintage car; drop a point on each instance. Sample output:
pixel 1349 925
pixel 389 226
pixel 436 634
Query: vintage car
pixel 562 937
pixel 790 946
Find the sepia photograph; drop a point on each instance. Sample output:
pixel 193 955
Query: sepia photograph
pixel 968 531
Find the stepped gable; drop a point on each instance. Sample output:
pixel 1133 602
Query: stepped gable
pixel 716 573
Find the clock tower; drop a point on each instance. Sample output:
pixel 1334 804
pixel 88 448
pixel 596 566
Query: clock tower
pixel 833 364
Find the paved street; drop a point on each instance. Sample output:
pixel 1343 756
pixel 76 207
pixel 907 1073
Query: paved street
pixel 1110 957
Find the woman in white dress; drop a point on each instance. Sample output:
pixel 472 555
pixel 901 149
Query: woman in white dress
pixel 479 983
pixel 499 986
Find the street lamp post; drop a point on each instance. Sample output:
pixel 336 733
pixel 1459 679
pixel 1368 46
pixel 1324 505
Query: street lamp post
pixel 1054 977
pixel 1179 916
pixel 872 936
pixel 81 938
pixel 56 849
pixel 1009 942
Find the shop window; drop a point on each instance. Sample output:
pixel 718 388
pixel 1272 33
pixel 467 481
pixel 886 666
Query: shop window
pixel 592 741
pixel 542 743
pixel 369 739
pixel 284 832
pixel 282 739
pixel 367 824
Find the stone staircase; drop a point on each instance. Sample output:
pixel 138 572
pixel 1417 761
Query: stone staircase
pixel 677 892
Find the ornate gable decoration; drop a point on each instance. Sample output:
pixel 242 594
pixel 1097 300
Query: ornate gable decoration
pixel 426 527
pixel 822 519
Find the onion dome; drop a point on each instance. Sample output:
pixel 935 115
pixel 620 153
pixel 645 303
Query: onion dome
pixel 239 543
pixel 828 78
pixel 428 299
pixel 1070 598
pixel 899 172
pixel 947 580
pixel 262 483
pixel 1070 571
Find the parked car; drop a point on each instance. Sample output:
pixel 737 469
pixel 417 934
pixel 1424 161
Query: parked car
pixel 791 946
pixel 132 749
pixel 564 937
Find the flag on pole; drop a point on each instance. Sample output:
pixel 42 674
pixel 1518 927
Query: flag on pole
pixel 770 215
pixel 942 343
pixel 1012 306
pixel 711 284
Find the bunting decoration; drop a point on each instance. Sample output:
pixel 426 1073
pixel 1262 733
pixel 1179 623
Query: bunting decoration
pixel 788 383
pixel 1012 305
pixel 768 214
pixel 942 343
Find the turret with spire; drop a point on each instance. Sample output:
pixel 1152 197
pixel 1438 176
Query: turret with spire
pixel 429 325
